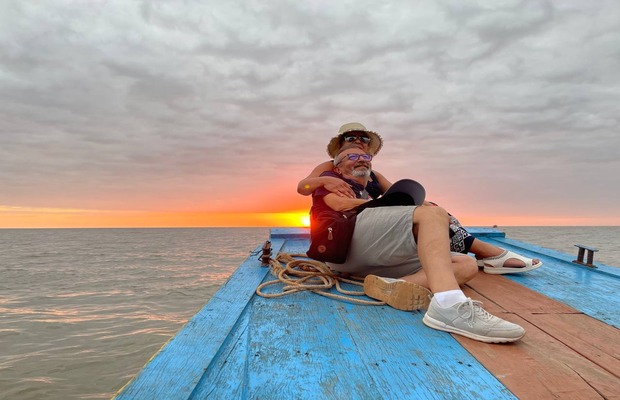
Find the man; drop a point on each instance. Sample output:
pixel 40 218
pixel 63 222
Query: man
pixel 495 260
pixel 409 245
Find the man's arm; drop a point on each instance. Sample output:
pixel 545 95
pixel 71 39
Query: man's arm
pixel 384 183
pixel 314 181
pixel 338 203
pixel 330 183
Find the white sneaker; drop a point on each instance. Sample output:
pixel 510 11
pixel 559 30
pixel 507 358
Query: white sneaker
pixel 397 293
pixel 470 319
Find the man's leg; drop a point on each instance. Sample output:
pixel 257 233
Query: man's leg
pixel 411 291
pixel 429 231
pixel 464 268
pixel 449 309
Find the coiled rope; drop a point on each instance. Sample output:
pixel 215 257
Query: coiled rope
pixel 310 275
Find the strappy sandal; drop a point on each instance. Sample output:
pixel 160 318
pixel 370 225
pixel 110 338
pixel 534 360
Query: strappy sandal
pixel 495 265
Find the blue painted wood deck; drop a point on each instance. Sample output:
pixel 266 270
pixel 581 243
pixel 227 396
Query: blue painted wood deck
pixel 304 346
pixel 595 292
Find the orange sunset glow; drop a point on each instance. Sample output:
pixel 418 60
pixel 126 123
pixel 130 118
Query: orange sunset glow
pixel 68 218
pixel 16 217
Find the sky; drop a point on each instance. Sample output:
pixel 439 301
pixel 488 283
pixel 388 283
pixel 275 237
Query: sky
pixel 207 113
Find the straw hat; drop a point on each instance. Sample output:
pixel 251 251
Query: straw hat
pixel 373 147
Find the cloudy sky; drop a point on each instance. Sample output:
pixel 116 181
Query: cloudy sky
pixel 506 111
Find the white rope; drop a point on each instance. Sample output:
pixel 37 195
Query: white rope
pixel 313 276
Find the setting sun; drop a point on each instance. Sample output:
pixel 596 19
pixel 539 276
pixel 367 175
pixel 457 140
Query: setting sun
pixel 305 220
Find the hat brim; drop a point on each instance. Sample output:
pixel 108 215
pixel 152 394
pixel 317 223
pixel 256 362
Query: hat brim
pixel 376 142
pixel 414 189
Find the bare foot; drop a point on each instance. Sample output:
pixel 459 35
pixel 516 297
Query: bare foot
pixel 486 250
pixel 511 262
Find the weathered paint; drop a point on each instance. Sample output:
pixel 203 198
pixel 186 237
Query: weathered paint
pixel 241 346
pixel 591 291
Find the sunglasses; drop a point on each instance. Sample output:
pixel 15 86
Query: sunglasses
pixel 355 157
pixel 353 138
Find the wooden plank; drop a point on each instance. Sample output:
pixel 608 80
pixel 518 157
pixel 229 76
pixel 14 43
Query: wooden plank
pixel 307 346
pixel 415 361
pixel 588 336
pixel 541 367
pixel 564 354
pixel 290 233
pixel 300 357
pixel 590 291
pixel 226 376
pixel 593 340
pixel 485 232
pixel 175 371
pixel 512 296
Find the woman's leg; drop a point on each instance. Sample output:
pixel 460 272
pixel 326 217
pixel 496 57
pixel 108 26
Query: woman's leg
pixel 485 250
pixel 461 241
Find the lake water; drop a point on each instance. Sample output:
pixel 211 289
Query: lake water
pixel 82 310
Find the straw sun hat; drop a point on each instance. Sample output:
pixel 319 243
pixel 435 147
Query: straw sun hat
pixel 373 147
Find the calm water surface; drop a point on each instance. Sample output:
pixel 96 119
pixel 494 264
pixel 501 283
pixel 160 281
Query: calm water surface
pixel 564 238
pixel 82 310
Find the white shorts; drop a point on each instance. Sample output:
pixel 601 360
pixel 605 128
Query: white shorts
pixel 382 244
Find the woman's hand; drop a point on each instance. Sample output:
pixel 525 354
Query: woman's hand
pixel 338 187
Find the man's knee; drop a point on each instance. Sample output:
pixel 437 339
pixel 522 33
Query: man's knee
pixel 431 214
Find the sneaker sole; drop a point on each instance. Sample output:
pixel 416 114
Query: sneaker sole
pixel 435 324
pixel 405 296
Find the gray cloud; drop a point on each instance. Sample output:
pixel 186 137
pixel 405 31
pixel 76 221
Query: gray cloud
pixel 115 103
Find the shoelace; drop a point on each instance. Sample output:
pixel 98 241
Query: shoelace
pixel 473 309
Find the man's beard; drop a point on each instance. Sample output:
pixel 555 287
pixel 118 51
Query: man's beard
pixel 361 172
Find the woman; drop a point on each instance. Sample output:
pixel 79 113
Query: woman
pixel 495 260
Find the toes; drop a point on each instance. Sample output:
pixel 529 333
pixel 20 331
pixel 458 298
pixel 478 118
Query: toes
pixel 514 263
